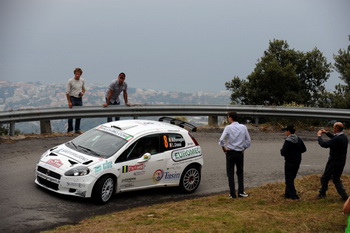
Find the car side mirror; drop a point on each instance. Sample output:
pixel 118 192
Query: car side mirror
pixel 144 158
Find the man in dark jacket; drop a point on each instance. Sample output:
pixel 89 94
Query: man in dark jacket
pixel 338 146
pixel 292 149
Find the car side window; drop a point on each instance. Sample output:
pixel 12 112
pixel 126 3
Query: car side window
pixel 147 144
pixel 172 141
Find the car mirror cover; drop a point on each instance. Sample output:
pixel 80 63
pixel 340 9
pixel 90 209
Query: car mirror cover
pixel 146 156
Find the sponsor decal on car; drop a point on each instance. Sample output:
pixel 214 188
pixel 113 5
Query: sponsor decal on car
pixel 173 142
pixel 171 176
pixel 130 168
pixel 48 178
pixel 73 184
pixel 176 139
pixel 129 180
pixel 158 175
pixel 139 173
pixel 72 153
pixel 115 131
pixel 187 153
pixel 55 162
pixel 174 167
pixel 103 166
pixel 165 139
pixel 144 123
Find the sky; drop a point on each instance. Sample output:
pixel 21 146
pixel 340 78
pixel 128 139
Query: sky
pixel 165 45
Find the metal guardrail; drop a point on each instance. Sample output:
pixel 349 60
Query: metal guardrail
pixel 213 111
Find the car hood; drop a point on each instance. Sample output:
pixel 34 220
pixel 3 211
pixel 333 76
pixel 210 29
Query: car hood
pixel 64 158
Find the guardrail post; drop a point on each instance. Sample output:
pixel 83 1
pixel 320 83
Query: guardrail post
pixel 12 128
pixel 213 120
pixel 257 120
pixel 45 126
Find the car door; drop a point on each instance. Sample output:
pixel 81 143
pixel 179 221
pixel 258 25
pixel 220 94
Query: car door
pixel 142 164
pixel 170 142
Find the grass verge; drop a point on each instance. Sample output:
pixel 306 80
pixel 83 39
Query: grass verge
pixel 264 211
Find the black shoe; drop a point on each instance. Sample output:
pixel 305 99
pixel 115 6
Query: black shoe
pixel 78 132
pixel 321 195
pixel 345 198
pixel 244 194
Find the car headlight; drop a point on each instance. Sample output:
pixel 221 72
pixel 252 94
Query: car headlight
pixel 78 171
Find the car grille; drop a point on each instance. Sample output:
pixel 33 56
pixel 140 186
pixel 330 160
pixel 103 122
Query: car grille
pixel 48 178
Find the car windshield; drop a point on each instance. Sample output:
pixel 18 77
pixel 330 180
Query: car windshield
pixel 97 143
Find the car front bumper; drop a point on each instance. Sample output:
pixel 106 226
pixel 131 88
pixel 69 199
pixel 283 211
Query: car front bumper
pixel 68 185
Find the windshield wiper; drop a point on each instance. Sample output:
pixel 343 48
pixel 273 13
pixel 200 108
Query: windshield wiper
pixel 72 143
pixel 89 150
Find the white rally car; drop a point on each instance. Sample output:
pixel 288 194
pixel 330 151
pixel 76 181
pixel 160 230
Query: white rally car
pixel 123 156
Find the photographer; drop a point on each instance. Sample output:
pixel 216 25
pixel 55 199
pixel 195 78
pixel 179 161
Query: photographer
pixel 338 146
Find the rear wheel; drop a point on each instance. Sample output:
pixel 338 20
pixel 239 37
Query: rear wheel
pixel 103 190
pixel 190 179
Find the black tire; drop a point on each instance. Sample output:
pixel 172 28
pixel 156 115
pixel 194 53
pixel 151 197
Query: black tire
pixel 103 190
pixel 190 179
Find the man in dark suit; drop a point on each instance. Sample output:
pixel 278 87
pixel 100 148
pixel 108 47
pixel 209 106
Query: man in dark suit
pixel 338 146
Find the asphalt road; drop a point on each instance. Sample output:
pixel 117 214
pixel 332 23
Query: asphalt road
pixel 28 208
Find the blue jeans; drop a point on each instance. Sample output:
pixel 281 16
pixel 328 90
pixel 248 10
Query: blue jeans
pixel 109 119
pixel 75 102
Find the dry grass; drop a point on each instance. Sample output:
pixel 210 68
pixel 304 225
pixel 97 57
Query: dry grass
pixel 264 211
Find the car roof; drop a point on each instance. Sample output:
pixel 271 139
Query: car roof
pixel 136 127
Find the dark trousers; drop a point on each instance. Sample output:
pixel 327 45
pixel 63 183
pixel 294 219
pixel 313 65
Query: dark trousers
pixel 333 171
pixel 109 119
pixel 234 159
pixel 290 172
pixel 75 102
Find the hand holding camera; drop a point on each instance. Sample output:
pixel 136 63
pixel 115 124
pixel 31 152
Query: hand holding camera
pixel 320 132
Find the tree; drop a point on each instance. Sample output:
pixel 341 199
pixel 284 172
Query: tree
pixel 341 96
pixel 283 76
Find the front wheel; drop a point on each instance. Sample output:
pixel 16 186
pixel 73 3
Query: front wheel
pixel 103 190
pixel 190 179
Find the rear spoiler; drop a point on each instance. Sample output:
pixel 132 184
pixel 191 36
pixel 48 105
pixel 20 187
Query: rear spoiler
pixel 180 123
